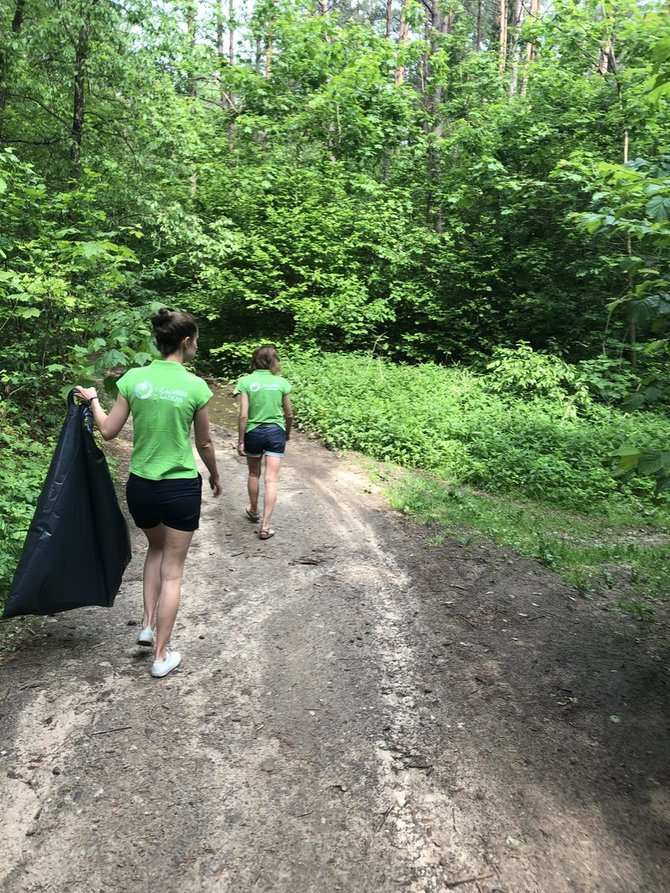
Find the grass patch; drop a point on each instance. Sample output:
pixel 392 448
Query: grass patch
pixel 608 553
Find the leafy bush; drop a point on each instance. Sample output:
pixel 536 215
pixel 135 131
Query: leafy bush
pixel 22 471
pixel 520 373
pixel 608 380
pixel 450 421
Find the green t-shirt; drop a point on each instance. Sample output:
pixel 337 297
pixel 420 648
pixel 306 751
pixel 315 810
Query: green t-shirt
pixel 163 398
pixel 265 392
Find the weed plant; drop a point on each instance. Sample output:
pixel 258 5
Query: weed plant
pixel 615 552
pixel 24 465
pixel 529 467
pixel 466 428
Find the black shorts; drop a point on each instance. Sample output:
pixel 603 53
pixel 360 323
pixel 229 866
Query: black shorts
pixel 174 503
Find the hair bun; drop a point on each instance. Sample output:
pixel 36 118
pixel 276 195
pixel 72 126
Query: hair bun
pixel 160 318
pixel 171 327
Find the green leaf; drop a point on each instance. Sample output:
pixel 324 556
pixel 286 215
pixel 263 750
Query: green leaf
pixel 658 208
pixel 111 359
pixel 653 462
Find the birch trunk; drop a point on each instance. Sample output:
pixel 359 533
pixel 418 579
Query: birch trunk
pixel 515 48
pixel 503 35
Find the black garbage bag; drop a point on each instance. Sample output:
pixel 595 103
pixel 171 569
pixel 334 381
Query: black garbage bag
pixel 77 547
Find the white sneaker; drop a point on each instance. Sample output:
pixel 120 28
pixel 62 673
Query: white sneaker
pixel 147 637
pixel 163 667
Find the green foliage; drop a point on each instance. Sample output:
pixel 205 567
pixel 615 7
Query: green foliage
pixel 633 211
pixel 329 184
pixel 608 380
pixel 233 358
pixel 22 472
pixel 456 423
pixel 522 373
pixel 61 269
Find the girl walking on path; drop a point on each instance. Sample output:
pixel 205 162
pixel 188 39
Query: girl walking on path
pixel 164 489
pixel 264 426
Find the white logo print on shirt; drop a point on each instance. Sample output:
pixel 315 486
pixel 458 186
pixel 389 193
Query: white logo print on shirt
pixel 143 390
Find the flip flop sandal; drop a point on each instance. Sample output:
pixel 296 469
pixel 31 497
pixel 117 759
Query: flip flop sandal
pixel 252 516
pixel 265 533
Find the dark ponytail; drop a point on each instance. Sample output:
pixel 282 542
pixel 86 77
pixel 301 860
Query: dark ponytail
pixel 170 329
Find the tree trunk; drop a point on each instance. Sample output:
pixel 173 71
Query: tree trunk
pixel 389 17
pixel 227 100
pixel 515 48
pixel 268 55
pixel 402 39
pixel 503 35
pixel 606 56
pixel 220 51
pixel 269 43
pixel 191 13
pixel 17 21
pixel 478 33
pixel 79 102
pixel 231 32
pixel 531 48
pixel 437 25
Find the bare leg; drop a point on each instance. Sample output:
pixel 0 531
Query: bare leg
pixel 151 578
pixel 272 466
pixel 176 544
pixel 253 482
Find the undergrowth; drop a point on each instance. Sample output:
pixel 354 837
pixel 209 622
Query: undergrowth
pixel 615 552
pixel 22 471
pixel 533 471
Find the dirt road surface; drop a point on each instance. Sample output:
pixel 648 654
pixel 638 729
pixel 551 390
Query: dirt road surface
pixel 357 710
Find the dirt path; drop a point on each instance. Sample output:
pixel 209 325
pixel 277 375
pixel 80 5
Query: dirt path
pixel 355 711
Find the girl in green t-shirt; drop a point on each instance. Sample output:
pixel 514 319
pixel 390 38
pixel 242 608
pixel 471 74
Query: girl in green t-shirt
pixel 264 426
pixel 164 488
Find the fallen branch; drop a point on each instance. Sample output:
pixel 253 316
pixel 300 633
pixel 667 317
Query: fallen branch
pixel 306 560
pixel 382 820
pixel 107 731
pixel 469 880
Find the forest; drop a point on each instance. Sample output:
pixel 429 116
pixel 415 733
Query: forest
pixel 453 219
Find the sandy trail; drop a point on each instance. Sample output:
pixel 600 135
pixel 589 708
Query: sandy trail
pixel 355 712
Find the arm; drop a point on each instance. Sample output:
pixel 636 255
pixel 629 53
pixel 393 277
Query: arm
pixel 242 422
pixel 108 425
pixel 205 448
pixel 287 406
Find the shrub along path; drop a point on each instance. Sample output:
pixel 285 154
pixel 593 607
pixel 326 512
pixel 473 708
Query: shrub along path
pixel 355 711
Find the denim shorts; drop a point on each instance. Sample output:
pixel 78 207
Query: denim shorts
pixel 265 439
pixel 174 503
